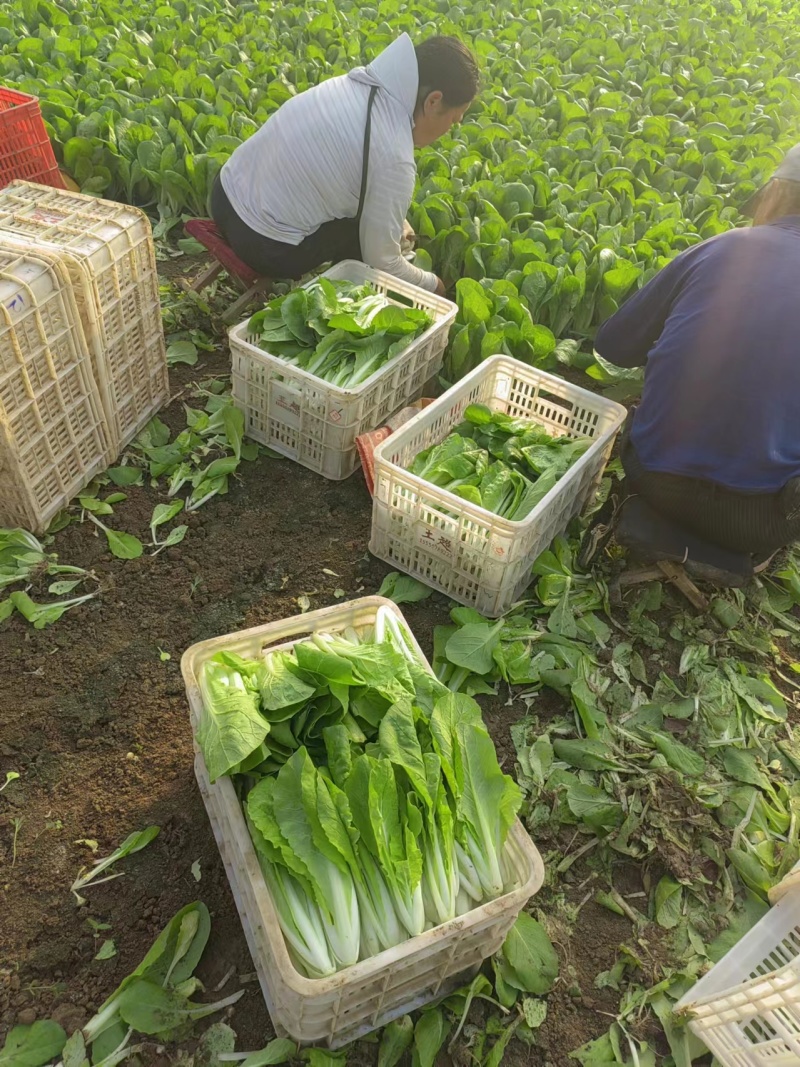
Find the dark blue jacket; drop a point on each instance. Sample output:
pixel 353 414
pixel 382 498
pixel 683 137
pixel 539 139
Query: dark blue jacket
pixel 718 330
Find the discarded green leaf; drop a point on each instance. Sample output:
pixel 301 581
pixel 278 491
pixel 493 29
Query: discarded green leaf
pixel 586 754
pixel 280 1050
pixel 319 1057
pixel 164 513
pixel 125 475
pixel 34 1045
pixel 61 588
pixel 473 646
pixel 134 842
pixel 668 902
pixel 534 1011
pixel 107 950
pixel 402 589
pixel 97 507
pixel 217 1041
pixel 430 1034
pixel 679 756
pixel 530 956
pixel 42 615
pixel 181 352
pixel 122 545
pixel 74 1052
pixel 395 1039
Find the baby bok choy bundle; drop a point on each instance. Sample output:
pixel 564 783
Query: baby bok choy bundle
pixel 337 330
pixel 373 795
pixel 503 464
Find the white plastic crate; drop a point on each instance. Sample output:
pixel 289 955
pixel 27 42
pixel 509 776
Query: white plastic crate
pixel 471 554
pixel 108 250
pixel 747 1008
pixel 343 1007
pixel 316 423
pixel 54 437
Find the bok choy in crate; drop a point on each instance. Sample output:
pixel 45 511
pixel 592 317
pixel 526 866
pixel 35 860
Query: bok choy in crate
pixel 337 330
pixel 504 464
pixel 373 794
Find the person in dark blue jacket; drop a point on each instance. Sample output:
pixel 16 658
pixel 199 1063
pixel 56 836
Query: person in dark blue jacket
pixel 714 445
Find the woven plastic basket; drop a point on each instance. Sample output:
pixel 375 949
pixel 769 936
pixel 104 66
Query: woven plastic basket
pixel 339 1009
pixel 747 1008
pixel 108 250
pixel 471 554
pixel 315 423
pixel 53 433
pixel 25 149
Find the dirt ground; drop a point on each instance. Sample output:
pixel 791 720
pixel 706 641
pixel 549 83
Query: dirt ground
pixel 96 724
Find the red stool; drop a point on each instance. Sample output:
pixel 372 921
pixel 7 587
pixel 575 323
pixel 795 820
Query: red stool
pixel 244 278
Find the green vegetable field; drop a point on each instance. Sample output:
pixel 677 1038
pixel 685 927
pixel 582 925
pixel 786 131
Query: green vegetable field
pixel 652 750
pixel 606 138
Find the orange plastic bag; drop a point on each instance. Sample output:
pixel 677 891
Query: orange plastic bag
pixel 368 442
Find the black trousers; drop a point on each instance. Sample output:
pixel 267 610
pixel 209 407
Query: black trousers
pixel 757 524
pixel 333 241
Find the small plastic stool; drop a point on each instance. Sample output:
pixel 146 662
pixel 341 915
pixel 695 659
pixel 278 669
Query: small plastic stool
pixel 206 232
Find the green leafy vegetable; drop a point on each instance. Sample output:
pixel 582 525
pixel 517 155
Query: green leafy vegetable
pixel 168 964
pixel 402 589
pixel 532 963
pixel 373 796
pixel 181 352
pixel 231 726
pixel 33 1045
pixel 122 545
pixel 430 1034
pixel 337 330
pixel 395 1040
pixel 106 951
pixel 279 1050
pixel 503 464
pixel 134 842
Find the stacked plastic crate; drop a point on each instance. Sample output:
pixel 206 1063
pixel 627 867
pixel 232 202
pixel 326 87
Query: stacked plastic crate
pixel 96 267
pixel 25 149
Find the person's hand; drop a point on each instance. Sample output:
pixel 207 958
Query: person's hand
pixel 408 240
pixel 440 289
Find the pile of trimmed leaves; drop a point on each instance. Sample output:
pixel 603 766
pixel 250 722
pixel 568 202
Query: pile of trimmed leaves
pixel 674 749
pixel 389 812
pixel 500 463
pixel 337 330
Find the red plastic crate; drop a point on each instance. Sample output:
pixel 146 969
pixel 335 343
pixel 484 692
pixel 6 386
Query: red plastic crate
pixel 25 149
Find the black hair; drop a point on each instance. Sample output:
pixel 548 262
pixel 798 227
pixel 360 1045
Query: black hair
pixel 447 66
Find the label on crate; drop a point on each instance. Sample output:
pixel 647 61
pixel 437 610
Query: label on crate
pixel 284 405
pixel 16 305
pixel 335 414
pixel 13 300
pixel 48 217
pixel 497 548
pixel 436 541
